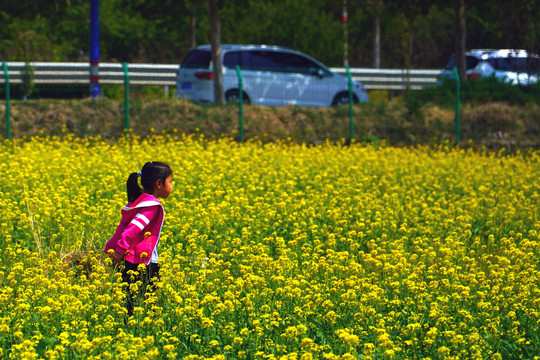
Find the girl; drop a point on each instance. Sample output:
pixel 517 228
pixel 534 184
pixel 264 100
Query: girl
pixel 137 236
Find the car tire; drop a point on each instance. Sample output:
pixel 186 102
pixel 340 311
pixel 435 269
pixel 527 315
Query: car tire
pixel 232 96
pixel 342 98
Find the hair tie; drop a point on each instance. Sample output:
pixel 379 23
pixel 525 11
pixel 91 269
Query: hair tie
pixel 139 173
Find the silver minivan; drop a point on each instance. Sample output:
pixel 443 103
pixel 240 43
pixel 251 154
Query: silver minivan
pixel 271 75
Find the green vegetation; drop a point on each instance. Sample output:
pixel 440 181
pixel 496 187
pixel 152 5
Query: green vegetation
pixel 414 34
pixel 480 91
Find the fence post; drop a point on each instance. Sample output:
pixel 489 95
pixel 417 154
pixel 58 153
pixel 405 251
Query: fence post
pixel 351 113
pixel 458 85
pixel 126 98
pixel 8 101
pixel 240 103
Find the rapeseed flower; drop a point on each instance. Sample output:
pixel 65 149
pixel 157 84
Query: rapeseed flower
pixel 274 251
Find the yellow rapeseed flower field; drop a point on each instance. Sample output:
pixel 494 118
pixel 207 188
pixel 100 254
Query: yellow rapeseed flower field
pixel 274 251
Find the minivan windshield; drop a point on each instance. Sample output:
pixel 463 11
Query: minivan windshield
pixel 197 59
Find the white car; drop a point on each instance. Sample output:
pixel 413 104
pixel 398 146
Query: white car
pixel 271 75
pixel 517 67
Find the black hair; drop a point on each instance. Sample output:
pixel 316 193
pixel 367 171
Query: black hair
pixel 150 173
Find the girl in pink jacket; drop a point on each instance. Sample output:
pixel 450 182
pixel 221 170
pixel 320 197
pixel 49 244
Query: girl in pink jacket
pixel 136 239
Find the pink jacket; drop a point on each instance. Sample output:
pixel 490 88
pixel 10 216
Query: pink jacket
pixel 138 233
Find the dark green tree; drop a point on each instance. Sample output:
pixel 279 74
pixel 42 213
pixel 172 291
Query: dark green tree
pixel 413 34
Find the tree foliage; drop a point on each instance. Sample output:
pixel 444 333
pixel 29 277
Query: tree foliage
pixel 414 34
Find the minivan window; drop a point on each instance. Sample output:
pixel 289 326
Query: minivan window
pixel 197 59
pixel 279 62
pixel 233 58
pixel 299 64
pixel 263 61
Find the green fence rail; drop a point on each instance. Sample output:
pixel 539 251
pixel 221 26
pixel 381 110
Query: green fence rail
pixel 8 101
pixel 126 97
pixel 458 96
pixel 351 103
pixel 240 103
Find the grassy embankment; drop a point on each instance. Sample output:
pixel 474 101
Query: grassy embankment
pixel 396 122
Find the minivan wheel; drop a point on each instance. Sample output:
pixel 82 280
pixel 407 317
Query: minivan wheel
pixel 233 95
pixel 343 99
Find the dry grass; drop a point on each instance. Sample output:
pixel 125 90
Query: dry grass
pixel 493 124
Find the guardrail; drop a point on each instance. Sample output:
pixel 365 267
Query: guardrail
pixel 70 73
pixel 392 79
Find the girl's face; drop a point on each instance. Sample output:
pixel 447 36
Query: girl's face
pixel 163 189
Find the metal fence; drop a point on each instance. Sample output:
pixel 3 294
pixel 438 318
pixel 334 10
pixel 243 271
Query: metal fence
pixel 74 77
pixel 136 81
pixel 74 73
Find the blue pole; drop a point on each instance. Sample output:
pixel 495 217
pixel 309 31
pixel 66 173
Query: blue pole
pixel 94 49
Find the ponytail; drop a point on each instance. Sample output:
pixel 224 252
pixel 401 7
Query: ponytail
pixel 150 173
pixel 133 188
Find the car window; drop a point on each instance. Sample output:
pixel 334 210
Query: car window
pixel 533 64
pixel 528 64
pixel 231 59
pixel 261 61
pixel 470 61
pixel 516 64
pixel 197 59
pixel 502 64
pixel 298 64
pixel 279 62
